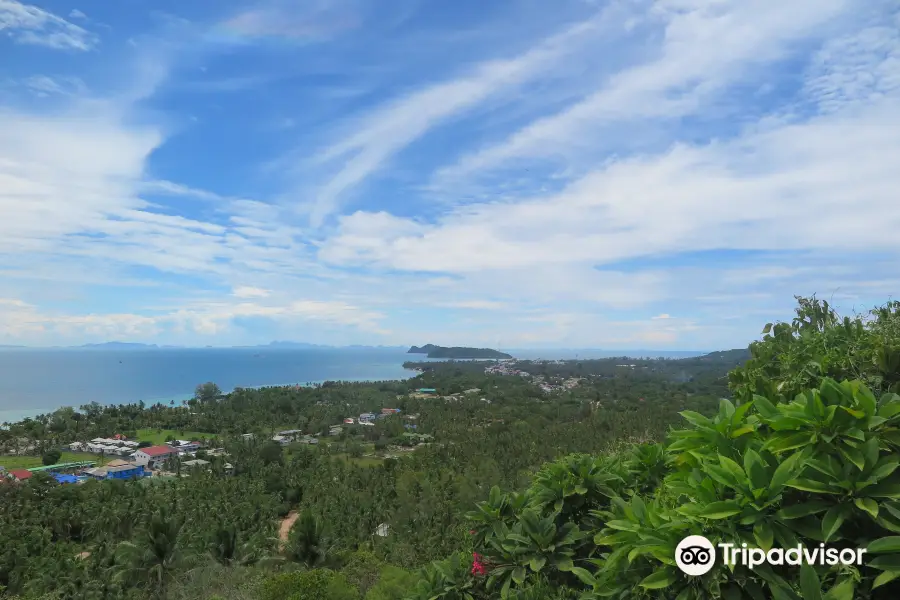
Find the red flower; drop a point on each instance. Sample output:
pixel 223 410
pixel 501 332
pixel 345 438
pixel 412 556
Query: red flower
pixel 477 566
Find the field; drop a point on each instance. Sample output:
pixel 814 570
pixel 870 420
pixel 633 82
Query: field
pixel 28 462
pixel 158 436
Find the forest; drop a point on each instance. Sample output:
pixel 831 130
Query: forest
pixel 507 492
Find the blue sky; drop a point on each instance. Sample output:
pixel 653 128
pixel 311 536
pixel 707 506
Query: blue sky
pixel 621 174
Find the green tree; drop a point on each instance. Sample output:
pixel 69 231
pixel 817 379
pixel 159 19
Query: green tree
pixel 51 457
pixel 306 542
pixel 207 392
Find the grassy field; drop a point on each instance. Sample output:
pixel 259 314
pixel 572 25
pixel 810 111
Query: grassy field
pixel 158 436
pixel 27 462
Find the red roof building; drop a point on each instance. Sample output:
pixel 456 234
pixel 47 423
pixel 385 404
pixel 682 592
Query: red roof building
pixel 153 456
pixel 20 474
pixel 158 450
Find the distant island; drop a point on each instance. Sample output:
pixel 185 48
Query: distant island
pixel 432 351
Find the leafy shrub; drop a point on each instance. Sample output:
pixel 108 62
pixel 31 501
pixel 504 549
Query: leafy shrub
pixel 796 459
pixel 315 584
pixel 51 457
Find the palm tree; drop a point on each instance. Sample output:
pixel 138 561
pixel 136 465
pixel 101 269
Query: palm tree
pixel 227 549
pixel 156 554
pixel 306 542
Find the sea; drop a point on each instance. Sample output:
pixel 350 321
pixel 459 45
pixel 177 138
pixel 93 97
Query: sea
pixel 39 381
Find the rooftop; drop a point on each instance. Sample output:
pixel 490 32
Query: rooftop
pixel 158 450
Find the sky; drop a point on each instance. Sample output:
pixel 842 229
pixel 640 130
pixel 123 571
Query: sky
pixel 660 174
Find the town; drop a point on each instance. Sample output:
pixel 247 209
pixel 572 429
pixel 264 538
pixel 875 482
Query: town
pixel 180 457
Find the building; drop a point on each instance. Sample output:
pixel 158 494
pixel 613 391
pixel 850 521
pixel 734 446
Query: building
pixel 124 470
pixel 349 421
pixel 196 463
pixel 284 441
pixel 291 434
pixel 66 478
pixel 154 456
pixel 19 474
pixel 431 391
pixel 184 445
pixel 366 418
pixel 335 430
pixel 389 411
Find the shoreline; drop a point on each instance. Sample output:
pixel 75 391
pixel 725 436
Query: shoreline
pixel 17 415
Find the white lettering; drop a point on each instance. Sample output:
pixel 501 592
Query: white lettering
pixel 859 553
pixel 757 557
pixel 775 556
pixel 793 556
pixel 810 558
pixel 847 556
pixel 725 554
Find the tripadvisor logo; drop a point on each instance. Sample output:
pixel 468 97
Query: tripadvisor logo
pixel 696 555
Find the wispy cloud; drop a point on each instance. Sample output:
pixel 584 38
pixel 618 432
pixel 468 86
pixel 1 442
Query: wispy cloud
pixel 388 129
pixel 686 74
pixel 28 24
pixel 642 175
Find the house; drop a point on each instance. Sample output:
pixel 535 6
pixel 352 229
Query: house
pixel 366 418
pixel 199 462
pixel 290 434
pixel 308 439
pixel 65 478
pixel 389 411
pixel 335 430
pixel 19 474
pixel 184 445
pixel 154 456
pixel 349 421
pixel 284 441
pixel 121 469
pixel 426 391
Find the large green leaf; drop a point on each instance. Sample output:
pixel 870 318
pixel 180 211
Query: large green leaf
pixel 797 511
pixel 659 579
pixel 868 505
pixel 843 590
pixel 720 510
pixel 885 544
pixel 809 583
pixel 786 471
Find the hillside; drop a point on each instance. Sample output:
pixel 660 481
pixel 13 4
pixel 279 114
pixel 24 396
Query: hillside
pixel 457 352
pixel 493 487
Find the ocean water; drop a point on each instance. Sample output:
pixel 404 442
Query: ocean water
pixel 36 381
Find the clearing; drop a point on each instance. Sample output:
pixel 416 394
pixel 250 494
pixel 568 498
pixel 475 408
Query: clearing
pixel 158 436
pixel 286 525
pixel 28 462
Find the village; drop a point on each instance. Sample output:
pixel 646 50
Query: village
pixel 509 367
pixel 180 457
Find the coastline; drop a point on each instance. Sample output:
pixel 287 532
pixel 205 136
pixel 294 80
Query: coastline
pixel 16 415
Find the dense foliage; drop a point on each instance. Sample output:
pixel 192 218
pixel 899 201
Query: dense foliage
pixel 805 449
pixel 810 461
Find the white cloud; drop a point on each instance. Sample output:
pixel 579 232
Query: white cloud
pixel 43 85
pixel 246 291
pixel 20 321
pixel 706 47
pixel 28 24
pixel 800 186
